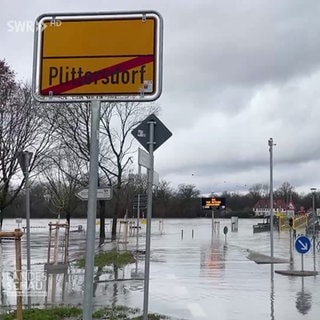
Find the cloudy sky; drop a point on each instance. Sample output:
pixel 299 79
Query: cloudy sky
pixel 235 73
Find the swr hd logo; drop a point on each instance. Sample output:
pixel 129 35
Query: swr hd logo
pixel 29 25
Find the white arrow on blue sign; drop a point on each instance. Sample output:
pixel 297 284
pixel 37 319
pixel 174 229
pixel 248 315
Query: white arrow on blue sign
pixel 302 244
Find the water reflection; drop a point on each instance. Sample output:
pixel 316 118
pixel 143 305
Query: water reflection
pixel 198 273
pixel 213 258
pixel 303 300
pixel 272 292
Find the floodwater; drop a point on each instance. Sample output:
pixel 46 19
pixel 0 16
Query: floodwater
pixel 194 273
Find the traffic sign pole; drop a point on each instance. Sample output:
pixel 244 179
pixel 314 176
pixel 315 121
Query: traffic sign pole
pixel 149 213
pixel 151 133
pixel 302 245
pixel 91 211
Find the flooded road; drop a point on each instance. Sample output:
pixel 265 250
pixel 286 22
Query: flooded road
pixel 194 274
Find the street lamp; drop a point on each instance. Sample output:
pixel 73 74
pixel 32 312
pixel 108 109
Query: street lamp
pixel 24 159
pixel 313 191
pixel 271 144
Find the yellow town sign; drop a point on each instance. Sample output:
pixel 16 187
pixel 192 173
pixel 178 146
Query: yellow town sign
pixel 113 55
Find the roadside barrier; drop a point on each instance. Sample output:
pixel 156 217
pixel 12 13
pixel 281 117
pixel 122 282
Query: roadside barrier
pixel 299 222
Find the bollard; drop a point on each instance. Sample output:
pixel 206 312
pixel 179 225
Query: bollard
pixel 192 233
pixel 290 240
pixel 161 226
pixel 181 233
pixel 225 231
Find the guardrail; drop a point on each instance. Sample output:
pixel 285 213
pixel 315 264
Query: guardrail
pixel 299 222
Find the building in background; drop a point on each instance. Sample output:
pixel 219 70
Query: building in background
pixel 262 208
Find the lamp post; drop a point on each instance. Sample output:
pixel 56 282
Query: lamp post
pixel 313 191
pixel 271 144
pixel 24 159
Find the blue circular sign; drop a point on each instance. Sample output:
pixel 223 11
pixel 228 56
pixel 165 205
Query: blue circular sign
pixel 302 244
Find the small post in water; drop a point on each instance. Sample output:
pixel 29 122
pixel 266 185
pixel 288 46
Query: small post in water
pixel 225 231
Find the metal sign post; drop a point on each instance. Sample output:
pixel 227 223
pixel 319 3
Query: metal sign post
pixel 151 133
pixel 91 211
pixel 213 203
pixel 149 214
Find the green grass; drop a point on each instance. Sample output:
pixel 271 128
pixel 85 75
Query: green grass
pixel 45 314
pixel 115 313
pixel 60 313
pixel 114 258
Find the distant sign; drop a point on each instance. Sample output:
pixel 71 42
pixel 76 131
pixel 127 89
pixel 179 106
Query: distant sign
pixel 302 244
pixel 102 194
pixel 225 230
pixel 144 158
pixel 140 201
pixel 115 56
pixel 213 202
pixel 161 132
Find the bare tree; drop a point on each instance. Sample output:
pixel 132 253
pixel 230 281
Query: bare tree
pixel 187 191
pixel 164 194
pixel 164 191
pixel 63 175
pixel 118 120
pixel 72 128
pixel 258 191
pixel 22 128
pixel 285 191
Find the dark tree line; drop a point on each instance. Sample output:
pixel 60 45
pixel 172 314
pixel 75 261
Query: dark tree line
pixel 183 202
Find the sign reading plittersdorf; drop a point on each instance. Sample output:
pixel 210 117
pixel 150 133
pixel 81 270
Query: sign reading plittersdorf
pixel 111 56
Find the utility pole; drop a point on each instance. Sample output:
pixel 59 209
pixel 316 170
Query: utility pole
pixel 271 144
